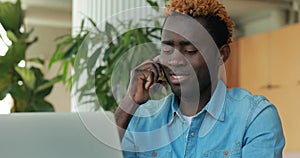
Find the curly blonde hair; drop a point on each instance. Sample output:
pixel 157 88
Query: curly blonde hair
pixel 202 8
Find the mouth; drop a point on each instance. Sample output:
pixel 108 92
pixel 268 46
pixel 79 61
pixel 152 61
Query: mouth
pixel 177 78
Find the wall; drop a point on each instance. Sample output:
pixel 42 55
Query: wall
pixel 103 10
pixel 263 21
pixel 44 48
pixel 269 65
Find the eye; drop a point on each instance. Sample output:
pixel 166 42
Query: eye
pixel 191 52
pixel 167 52
pixel 167 49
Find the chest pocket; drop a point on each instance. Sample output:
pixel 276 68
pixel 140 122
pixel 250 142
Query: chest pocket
pixel 234 152
pixel 159 153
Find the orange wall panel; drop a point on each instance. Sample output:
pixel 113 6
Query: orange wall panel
pixel 269 64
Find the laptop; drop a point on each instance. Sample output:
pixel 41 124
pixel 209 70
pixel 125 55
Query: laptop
pixel 59 135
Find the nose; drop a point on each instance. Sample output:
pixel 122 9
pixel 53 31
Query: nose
pixel 176 59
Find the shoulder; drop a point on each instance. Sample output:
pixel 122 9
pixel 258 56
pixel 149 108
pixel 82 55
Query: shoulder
pixel 250 105
pixel 259 118
pixel 246 98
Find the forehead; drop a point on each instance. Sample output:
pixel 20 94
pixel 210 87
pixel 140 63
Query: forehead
pixel 183 27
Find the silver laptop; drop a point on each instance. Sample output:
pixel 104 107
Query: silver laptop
pixel 58 135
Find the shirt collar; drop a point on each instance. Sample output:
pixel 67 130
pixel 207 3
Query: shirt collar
pixel 215 107
pixel 174 109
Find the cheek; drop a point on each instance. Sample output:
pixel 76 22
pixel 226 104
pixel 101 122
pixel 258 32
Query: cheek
pixel 200 67
pixel 197 62
pixel 162 59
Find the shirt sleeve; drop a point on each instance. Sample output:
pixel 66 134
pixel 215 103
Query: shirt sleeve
pixel 264 136
pixel 128 145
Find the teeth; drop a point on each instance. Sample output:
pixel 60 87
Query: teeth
pixel 177 77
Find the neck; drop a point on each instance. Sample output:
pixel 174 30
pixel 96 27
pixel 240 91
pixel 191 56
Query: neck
pixel 190 107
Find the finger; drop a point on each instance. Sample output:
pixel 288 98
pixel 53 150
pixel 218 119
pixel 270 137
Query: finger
pixel 158 70
pixel 141 95
pixel 156 59
pixel 145 79
pixel 145 63
pixel 153 67
pixel 149 79
pixel 137 86
pixel 156 67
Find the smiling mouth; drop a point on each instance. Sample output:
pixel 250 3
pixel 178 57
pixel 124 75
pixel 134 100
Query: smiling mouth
pixel 178 78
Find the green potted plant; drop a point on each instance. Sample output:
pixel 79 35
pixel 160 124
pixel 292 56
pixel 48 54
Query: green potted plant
pixel 25 83
pixel 72 51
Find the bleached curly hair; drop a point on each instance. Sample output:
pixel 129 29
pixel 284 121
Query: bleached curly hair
pixel 218 22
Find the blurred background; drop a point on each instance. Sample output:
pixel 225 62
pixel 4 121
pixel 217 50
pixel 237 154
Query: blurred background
pixel 264 56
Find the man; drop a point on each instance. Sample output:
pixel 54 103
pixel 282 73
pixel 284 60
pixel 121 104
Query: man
pixel 200 118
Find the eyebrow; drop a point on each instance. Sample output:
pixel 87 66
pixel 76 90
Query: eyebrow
pixel 185 43
pixel 168 42
pixel 181 43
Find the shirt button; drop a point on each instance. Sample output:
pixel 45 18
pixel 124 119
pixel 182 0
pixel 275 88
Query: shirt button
pixel 192 134
pixel 225 152
pixel 154 154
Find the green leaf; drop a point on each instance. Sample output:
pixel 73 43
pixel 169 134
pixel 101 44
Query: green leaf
pixel 65 72
pixel 2 94
pixel 19 93
pixel 111 28
pixel 127 36
pixel 108 53
pixel 15 53
pixel 57 55
pixel 20 105
pixel 11 16
pixel 39 76
pixel 5 78
pixel 153 4
pixel 43 93
pixel 39 105
pixel 62 37
pixel 48 84
pixel 27 75
pixel 93 59
pixel 26 34
pixel 82 25
pixel 36 60
pixel 111 32
pixel 157 24
pixel 94 24
pixel 73 49
pixel 33 41
pixel 4 81
pixel 11 36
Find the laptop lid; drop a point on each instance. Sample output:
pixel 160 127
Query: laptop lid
pixel 58 135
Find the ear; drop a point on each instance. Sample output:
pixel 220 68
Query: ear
pixel 225 52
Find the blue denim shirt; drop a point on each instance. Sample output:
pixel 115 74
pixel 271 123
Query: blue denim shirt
pixel 234 123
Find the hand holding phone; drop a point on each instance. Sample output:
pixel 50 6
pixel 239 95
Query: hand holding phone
pixel 142 78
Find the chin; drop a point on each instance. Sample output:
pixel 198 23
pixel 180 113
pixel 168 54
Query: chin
pixel 188 92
